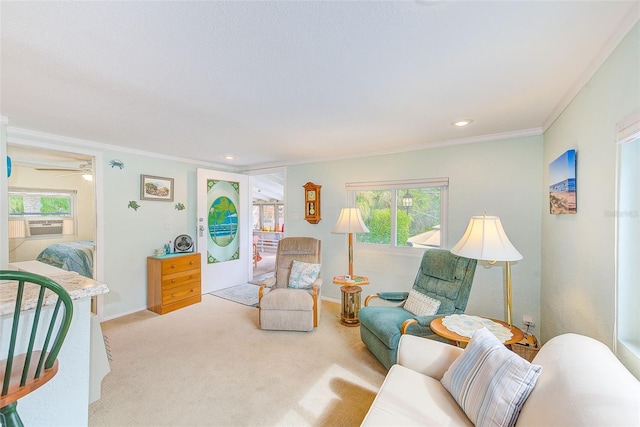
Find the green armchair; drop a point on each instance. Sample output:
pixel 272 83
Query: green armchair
pixel 442 276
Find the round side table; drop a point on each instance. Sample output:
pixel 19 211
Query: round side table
pixel 350 298
pixel 437 327
pixel 350 305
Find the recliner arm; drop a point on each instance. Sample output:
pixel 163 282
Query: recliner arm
pixel 318 283
pixel 393 296
pixel 387 296
pixel 424 321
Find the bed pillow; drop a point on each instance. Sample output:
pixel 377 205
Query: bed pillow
pixel 420 304
pixel 303 275
pixel 490 382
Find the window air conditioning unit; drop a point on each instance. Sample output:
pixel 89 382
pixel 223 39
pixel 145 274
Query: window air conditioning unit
pixel 45 227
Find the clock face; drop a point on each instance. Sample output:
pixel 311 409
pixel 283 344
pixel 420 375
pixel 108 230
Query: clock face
pixel 311 195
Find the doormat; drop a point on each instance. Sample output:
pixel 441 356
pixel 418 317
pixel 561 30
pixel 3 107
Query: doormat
pixel 246 294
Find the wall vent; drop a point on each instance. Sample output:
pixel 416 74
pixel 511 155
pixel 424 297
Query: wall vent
pixel 44 227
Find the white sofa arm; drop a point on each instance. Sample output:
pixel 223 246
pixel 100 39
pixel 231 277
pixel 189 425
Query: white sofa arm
pixel 429 357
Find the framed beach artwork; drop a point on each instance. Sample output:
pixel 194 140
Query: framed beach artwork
pixel 223 199
pixel 156 188
pixel 562 184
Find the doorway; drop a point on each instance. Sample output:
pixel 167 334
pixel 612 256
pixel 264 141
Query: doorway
pixel 268 220
pixel 52 206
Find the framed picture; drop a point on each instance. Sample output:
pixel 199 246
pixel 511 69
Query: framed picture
pixel 562 184
pixel 156 188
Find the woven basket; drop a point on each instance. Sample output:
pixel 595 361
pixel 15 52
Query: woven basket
pixel 524 348
pixel 524 351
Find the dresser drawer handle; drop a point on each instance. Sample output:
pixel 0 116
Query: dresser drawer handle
pixel 173 295
pixel 173 266
pixel 173 280
pixel 191 262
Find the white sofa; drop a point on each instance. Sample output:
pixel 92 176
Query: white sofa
pixel 582 383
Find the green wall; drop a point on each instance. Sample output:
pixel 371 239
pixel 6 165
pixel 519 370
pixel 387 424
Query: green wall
pixel 500 178
pixel 578 258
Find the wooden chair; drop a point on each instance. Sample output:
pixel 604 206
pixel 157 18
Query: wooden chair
pixel 46 330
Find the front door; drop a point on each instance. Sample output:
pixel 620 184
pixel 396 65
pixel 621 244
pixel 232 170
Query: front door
pixel 224 228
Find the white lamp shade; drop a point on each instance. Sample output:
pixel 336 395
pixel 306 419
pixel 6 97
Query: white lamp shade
pixel 350 221
pixel 486 240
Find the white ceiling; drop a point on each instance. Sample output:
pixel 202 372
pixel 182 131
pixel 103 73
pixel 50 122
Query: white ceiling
pixel 276 83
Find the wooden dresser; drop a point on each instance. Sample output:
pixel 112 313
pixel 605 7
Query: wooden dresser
pixel 173 282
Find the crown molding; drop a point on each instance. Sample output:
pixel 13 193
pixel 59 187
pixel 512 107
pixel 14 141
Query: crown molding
pixel 416 147
pixel 50 141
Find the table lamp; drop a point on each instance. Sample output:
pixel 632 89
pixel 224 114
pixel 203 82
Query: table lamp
pixel 486 240
pixel 349 222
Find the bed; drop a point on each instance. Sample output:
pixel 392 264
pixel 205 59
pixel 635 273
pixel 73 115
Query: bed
pixel 70 256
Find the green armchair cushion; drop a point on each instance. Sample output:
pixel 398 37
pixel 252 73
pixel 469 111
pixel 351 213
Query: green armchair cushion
pixel 441 266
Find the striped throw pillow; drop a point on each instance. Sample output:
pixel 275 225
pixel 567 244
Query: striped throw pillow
pixel 490 382
pixel 420 304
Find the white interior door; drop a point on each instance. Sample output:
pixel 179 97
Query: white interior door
pixel 224 228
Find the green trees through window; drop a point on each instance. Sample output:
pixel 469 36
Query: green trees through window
pixel 26 203
pixel 403 215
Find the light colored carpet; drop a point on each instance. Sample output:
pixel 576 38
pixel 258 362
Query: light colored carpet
pixel 209 364
pixel 246 294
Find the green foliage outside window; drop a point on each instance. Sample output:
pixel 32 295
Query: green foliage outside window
pixel 421 217
pixel 39 204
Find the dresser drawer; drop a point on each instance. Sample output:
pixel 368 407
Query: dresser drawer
pixel 180 292
pixel 180 278
pixel 182 263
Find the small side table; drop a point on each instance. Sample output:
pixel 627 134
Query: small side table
pixel 350 298
pixel 440 329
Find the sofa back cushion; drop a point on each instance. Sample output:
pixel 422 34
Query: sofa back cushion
pixel 582 383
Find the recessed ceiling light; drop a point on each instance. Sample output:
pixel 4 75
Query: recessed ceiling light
pixel 228 157
pixel 462 123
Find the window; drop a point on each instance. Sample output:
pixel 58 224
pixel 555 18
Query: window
pixel 41 213
pixel 32 203
pixel 402 214
pixel 627 216
pixel 268 217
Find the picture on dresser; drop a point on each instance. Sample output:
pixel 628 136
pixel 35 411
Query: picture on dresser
pixel 223 199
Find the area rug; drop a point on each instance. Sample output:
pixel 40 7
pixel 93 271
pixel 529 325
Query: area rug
pixel 246 294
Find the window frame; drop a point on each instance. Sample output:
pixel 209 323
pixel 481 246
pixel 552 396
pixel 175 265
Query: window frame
pixel 394 186
pixel 627 318
pixel 26 217
pixel 39 192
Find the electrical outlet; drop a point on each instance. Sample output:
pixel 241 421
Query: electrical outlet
pixel 528 321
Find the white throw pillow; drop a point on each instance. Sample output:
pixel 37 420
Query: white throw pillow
pixel 490 382
pixel 420 304
pixel 303 275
